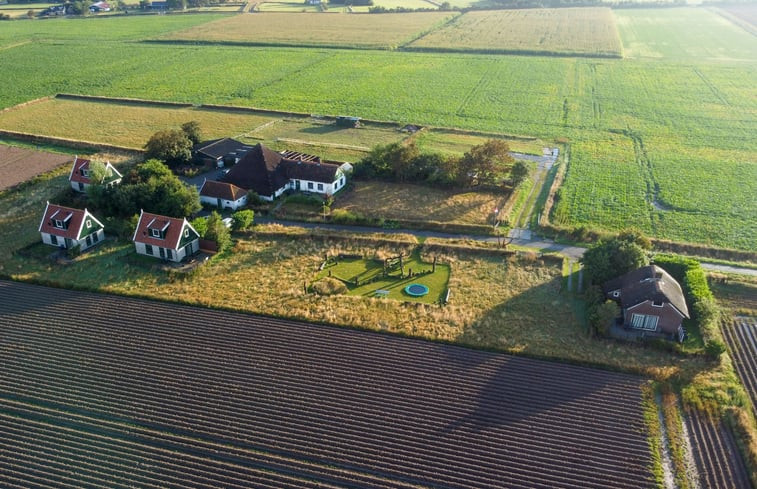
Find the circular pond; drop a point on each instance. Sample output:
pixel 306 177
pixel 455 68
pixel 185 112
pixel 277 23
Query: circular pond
pixel 416 290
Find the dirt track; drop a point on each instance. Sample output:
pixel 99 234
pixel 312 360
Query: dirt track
pixel 20 164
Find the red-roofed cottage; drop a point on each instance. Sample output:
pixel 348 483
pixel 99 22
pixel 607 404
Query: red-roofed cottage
pixel 167 238
pixel 65 227
pixel 80 177
pixel 223 195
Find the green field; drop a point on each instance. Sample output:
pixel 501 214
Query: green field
pixel 316 29
pixel 685 126
pixel 683 33
pixel 587 31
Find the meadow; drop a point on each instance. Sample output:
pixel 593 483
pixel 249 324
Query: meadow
pixel 645 118
pixel 683 33
pixel 584 31
pixel 316 29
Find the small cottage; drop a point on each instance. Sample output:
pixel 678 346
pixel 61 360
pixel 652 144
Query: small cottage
pixel 220 152
pixel 651 301
pixel 167 238
pixel 67 228
pixel 223 195
pixel 80 177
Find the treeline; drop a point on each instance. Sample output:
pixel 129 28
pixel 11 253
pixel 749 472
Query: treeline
pixel 488 164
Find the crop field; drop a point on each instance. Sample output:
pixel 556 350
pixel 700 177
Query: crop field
pixel 669 114
pixel 19 164
pixel 683 33
pixel 716 454
pixel 316 405
pixel 421 203
pixel 316 29
pixel 101 28
pixel 741 337
pixel 585 31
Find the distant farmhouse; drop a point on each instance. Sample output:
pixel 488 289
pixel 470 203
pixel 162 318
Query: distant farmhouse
pixel 67 228
pixel 99 7
pixel 270 174
pixel 651 301
pixel 167 238
pixel 80 175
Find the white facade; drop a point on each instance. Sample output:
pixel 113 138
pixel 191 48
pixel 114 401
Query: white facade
pixel 224 203
pixel 318 187
pixel 66 243
pixel 167 253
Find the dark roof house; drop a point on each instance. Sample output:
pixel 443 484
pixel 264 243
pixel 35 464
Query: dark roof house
pixel 218 150
pixel 651 302
pixel 269 173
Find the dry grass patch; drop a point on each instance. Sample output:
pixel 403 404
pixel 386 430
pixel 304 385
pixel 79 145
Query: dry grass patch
pixel 316 29
pixel 120 124
pixel 589 31
pixel 420 203
pixel 457 143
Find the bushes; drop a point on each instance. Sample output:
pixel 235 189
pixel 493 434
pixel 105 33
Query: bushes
pixel 329 286
pixel 242 220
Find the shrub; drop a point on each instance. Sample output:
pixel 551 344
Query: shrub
pixel 714 348
pixel 242 220
pixel 74 251
pixel 201 225
pixel 304 199
pixel 329 286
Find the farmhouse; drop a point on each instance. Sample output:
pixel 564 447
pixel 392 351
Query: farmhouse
pixel 80 175
pixel 651 302
pixel 270 174
pixel 220 151
pixel 223 195
pixel 167 238
pixel 65 227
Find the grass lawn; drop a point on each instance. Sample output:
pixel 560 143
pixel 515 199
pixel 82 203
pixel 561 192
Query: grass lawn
pixel 420 203
pixel 371 271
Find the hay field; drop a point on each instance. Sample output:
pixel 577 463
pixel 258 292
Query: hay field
pixel 315 29
pixel 121 124
pixel 585 31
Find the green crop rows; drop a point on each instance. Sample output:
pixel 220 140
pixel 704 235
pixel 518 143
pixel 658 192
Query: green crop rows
pixel 678 133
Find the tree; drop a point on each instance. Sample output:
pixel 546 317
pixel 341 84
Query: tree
pixel 171 146
pixel 603 316
pixel 217 231
pixel 483 163
pixel 518 173
pixel 611 258
pixel 200 224
pixel 97 172
pixel 193 131
pixel 242 220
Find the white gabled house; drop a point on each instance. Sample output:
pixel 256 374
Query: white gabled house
pixel 80 175
pixel 167 238
pixel 66 227
pixel 223 195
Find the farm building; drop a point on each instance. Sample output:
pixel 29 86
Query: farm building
pixel 167 238
pixel 67 228
pixel 651 302
pixel 220 152
pixel 223 195
pixel 270 174
pixel 80 175
pixel 347 121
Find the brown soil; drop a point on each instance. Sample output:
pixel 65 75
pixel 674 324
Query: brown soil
pixel 20 164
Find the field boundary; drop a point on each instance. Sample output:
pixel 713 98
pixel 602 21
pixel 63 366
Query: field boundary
pixel 510 52
pixel 69 143
pixel 121 100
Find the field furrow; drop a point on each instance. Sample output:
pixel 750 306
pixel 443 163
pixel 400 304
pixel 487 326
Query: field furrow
pixel 741 337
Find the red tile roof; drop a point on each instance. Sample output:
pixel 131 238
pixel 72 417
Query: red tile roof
pixel 171 227
pixel 71 219
pixel 76 175
pixel 222 190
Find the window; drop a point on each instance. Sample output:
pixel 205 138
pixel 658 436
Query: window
pixel 155 233
pixel 148 249
pixel 53 239
pixel 644 321
pixel 320 186
pixel 657 303
pixel 342 181
pixel 95 239
pixel 310 185
pixel 616 293
pixel 85 173
pixel 89 223
pixel 186 233
pixel 59 224
pixel 169 254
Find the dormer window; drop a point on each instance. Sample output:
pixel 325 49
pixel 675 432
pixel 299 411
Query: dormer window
pixel 85 172
pixel 58 224
pixel 657 303
pixel 155 233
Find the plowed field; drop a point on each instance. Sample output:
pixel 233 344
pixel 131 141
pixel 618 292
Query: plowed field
pixel 19 164
pixel 741 337
pixel 104 391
